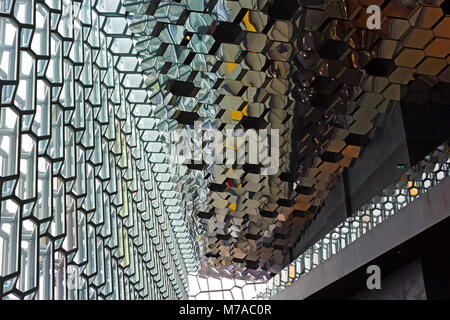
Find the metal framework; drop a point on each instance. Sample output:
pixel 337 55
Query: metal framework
pixel 84 213
pixel 91 207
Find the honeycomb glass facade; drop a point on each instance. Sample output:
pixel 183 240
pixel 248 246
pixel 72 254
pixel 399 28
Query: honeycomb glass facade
pixel 98 202
pixel 85 209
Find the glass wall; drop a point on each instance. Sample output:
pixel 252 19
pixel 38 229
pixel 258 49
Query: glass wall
pixel 84 213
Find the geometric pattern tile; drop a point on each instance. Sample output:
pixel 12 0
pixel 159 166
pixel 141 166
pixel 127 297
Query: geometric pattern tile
pixel 82 212
pixel 92 204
